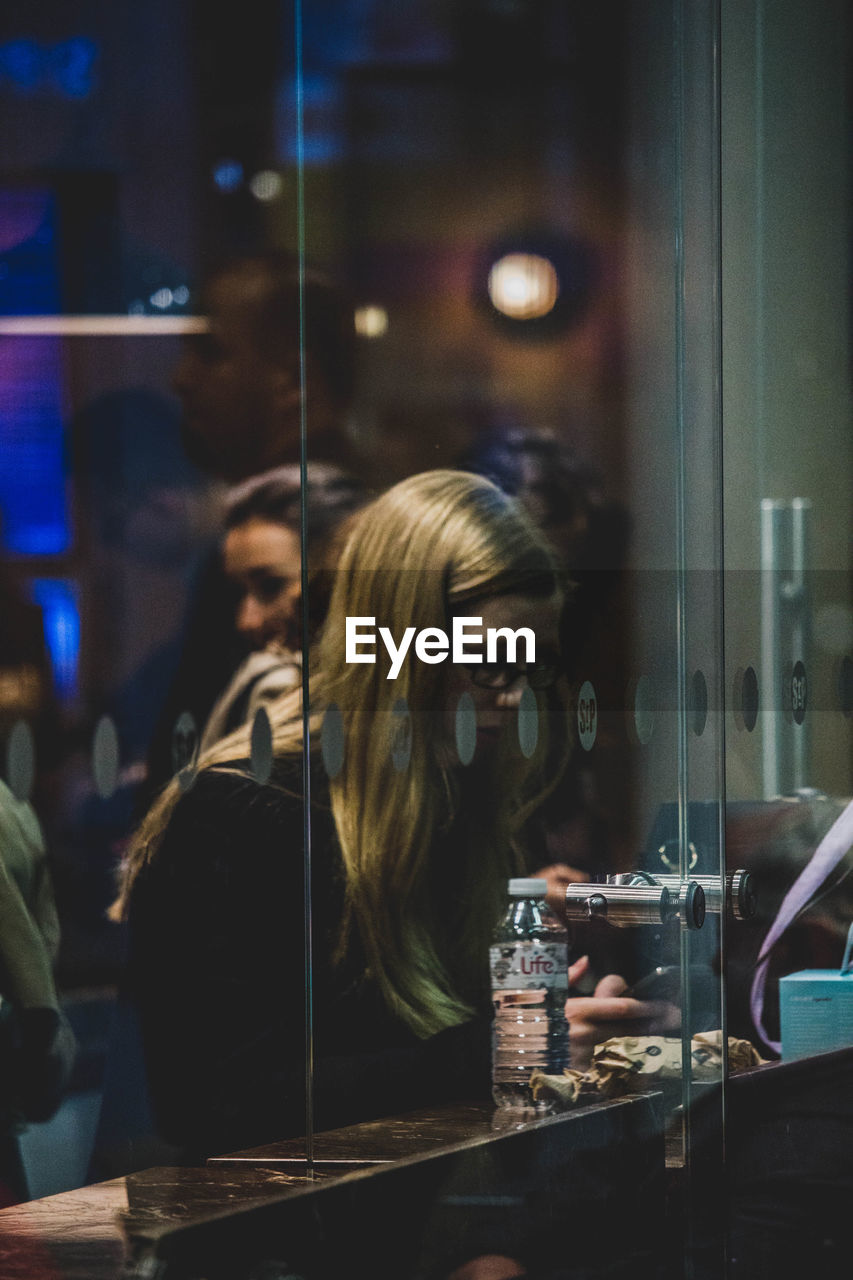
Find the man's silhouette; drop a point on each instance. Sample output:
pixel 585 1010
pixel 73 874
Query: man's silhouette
pixel 240 383
pixel 278 355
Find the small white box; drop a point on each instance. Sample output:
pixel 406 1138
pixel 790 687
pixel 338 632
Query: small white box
pixel 816 1012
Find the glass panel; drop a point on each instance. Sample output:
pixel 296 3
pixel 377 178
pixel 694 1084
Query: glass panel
pixel 788 507
pixel 499 193
pixel 490 252
pixel 674 455
pixel 137 152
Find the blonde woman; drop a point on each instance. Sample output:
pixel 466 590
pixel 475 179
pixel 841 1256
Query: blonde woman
pixel 410 848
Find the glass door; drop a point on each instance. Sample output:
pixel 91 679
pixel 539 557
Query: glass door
pixel 523 204
pixel 532 314
pixel 788 502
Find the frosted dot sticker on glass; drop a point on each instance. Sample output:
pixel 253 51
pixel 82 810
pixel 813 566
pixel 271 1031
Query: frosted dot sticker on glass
pixel 185 750
pixel 698 703
pixel 644 710
pixel 587 716
pixel 401 735
pixel 528 722
pixel 465 726
pixel 332 740
pixel 746 699
pixel 105 758
pixel 799 692
pixel 261 747
pixel 21 761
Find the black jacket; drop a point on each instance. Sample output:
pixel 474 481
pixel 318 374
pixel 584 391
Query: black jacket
pixel 218 973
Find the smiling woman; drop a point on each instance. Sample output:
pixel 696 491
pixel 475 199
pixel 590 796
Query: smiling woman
pixel 264 560
pixel 214 879
pixel 262 555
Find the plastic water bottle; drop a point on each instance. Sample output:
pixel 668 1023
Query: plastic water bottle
pixel 530 985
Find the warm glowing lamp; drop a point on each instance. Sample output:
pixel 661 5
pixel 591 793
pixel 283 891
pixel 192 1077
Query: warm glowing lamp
pixel 523 286
pixel 371 321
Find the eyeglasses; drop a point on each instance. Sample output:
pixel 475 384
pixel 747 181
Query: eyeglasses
pixel 500 675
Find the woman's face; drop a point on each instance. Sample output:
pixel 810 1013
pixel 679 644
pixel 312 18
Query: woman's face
pixel 496 688
pixel 263 559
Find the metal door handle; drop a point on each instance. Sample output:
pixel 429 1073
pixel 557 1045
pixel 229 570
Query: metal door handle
pixel 637 903
pixel 740 895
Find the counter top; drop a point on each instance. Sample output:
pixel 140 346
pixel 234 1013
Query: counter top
pixel 98 1232
pixel 390 1138
pixel 84 1234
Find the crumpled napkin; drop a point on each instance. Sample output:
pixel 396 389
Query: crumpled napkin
pixel 635 1064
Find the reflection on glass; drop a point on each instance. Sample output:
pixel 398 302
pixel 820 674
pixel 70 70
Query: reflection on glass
pixel 668 853
pixel 429 130
pixel 105 757
pixel 21 761
pixel 587 715
pixel 410 853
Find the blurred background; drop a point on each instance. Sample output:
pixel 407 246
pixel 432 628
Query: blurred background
pixel 580 253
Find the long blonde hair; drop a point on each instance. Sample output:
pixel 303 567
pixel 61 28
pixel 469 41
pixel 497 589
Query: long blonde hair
pixel 426 547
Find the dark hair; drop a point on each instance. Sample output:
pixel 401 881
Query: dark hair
pixel 327 327
pixel 537 467
pixel 331 495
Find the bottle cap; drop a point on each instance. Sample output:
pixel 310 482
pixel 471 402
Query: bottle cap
pixel 528 888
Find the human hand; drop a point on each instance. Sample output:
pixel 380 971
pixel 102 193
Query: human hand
pixel 610 1012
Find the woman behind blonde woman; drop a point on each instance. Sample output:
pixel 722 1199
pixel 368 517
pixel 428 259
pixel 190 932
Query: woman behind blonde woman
pixel 262 556
pixel 410 849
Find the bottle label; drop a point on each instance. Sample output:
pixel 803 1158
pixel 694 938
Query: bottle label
pixel 521 966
